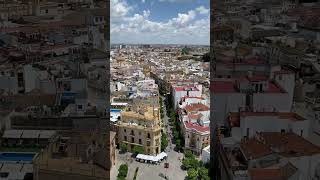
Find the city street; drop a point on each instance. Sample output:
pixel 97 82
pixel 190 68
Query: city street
pixel 146 171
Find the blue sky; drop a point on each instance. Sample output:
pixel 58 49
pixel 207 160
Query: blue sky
pixel 160 21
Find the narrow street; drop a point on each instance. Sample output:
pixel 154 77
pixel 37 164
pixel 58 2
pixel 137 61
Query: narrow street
pixel 167 128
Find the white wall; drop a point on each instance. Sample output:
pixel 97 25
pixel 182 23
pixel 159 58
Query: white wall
pixel 30 78
pixel 287 82
pixel 280 101
pixel 205 156
pixel 223 103
pixel 272 124
pixel 306 165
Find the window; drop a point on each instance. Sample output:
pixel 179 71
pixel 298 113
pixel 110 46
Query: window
pixel 248 131
pixel 301 132
pixel 132 140
pixel 79 106
pixel 132 132
pixel 47 11
pixel 125 138
pixel 139 133
pixel 149 135
pixel 283 131
pixel 148 143
pixel 124 130
pixel 140 142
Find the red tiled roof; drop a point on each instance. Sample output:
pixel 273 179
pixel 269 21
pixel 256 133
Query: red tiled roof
pixel 287 145
pixel 290 144
pixel 194 116
pixel 253 149
pixel 281 173
pixel 265 174
pixel 196 107
pixel 274 88
pixel 184 88
pixel 190 97
pixel 223 87
pixel 197 127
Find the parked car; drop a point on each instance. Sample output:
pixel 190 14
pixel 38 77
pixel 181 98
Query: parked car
pixel 166 165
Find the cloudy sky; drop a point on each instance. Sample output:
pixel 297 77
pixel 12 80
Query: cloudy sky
pixel 160 21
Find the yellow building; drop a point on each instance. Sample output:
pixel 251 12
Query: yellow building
pixel 141 126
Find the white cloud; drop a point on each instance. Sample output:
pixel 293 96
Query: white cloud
pixel 176 1
pixel 146 14
pixel 202 10
pixel 185 28
pixel 183 19
pixel 143 1
pixel 119 8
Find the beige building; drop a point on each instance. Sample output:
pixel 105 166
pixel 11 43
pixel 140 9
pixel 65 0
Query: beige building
pixel 74 155
pixel 196 137
pixel 141 126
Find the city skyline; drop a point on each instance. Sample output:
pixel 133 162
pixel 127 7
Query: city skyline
pixel 143 22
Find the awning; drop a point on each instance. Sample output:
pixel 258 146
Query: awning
pixel 152 158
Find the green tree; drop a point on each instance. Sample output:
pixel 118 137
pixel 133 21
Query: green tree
pixel 203 173
pixel 123 171
pixel 194 163
pixel 164 141
pixel 188 154
pixel 185 51
pixel 172 115
pixel 123 147
pixel 121 178
pixel 138 150
pixel 186 163
pixel 192 174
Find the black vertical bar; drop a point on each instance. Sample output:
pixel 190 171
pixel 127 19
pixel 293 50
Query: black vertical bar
pixel 214 153
pixel 107 84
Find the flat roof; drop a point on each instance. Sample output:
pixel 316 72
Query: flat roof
pixel 46 134
pixel 12 133
pixel 30 134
